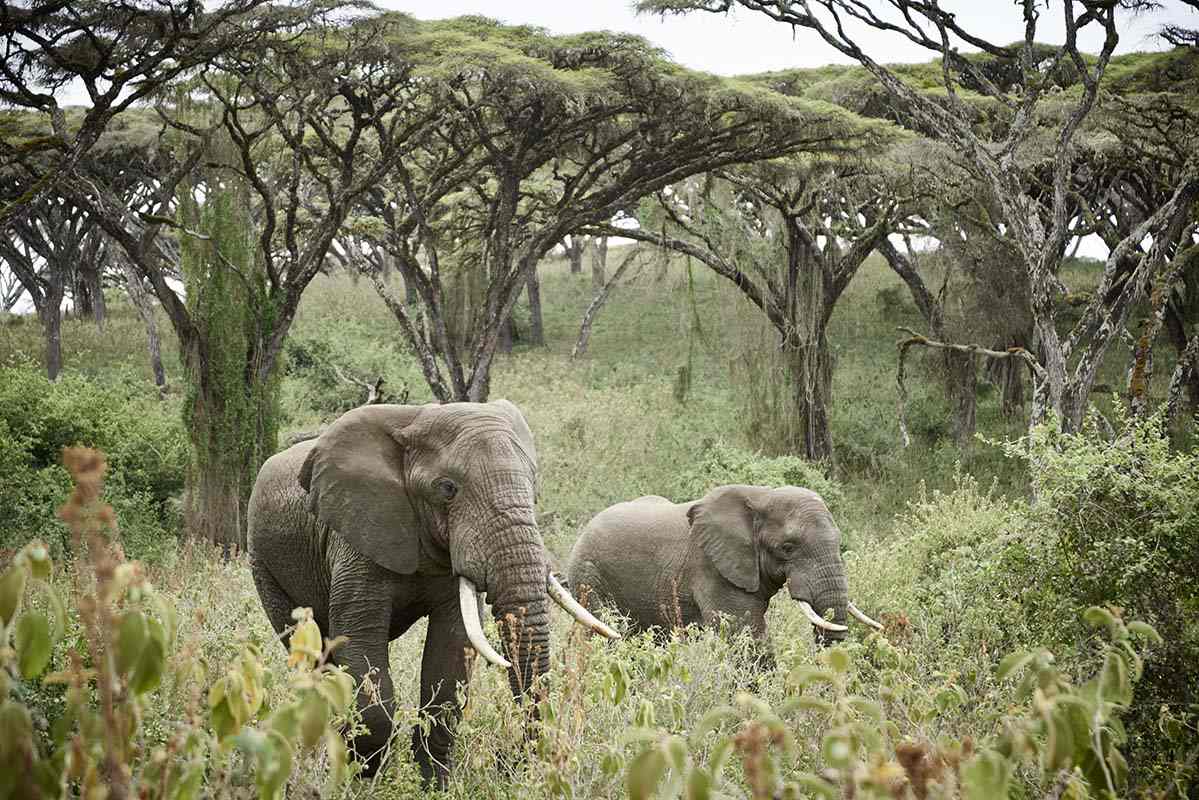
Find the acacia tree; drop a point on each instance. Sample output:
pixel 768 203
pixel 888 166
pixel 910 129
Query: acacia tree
pixel 44 249
pixel 542 135
pixel 1035 207
pixel 299 126
pixel 790 234
pixel 121 53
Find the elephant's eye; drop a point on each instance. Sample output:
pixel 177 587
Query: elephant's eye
pixel 446 489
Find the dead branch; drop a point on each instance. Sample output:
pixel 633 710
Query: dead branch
pixel 597 303
pixel 915 338
pixel 373 390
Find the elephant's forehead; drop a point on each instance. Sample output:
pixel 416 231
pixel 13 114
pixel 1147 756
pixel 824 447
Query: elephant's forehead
pixel 489 444
pixel 796 500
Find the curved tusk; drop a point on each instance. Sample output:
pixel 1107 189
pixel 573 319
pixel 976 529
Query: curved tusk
pixel 819 621
pixel 860 617
pixel 468 601
pixel 573 607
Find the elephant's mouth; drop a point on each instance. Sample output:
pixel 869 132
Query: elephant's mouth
pixel 468 601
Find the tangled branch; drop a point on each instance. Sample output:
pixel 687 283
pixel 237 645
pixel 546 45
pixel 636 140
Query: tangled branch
pixel 915 338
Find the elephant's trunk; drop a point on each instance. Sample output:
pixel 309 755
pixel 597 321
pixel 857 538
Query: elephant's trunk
pixel 824 587
pixel 519 599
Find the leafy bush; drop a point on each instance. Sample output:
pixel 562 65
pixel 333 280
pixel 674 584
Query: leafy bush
pixel 146 443
pixel 313 365
pixel 1067 736
pixel 1124 522
pixel 125 656
pixel 721 464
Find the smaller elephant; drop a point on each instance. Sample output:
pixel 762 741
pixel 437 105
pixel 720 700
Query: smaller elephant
pixel 673 564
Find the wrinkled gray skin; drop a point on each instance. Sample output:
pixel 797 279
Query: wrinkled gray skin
pixel 673 564
pixel 371 524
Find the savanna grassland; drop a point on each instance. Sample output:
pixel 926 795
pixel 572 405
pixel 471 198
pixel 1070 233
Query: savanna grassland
pixel 942 545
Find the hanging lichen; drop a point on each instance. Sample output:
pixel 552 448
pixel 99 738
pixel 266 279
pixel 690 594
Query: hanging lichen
pixel 231 411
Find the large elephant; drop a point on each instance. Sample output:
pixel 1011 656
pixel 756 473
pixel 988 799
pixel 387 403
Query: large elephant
pixel 400 512
pixel 673 564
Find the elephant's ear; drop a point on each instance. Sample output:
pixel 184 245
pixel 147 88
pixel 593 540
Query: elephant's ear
pixel 354 477
pixel 723 521
pixel 523 433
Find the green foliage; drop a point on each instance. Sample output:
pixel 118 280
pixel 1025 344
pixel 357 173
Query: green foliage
pixel 1124 528
pixel 720 463
pixel 231 408
pixel 1071 733
pixel 147 445
pixel 123 652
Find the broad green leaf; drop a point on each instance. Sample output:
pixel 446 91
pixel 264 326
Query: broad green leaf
pixel 867 708
pixel 274 767
pixel 148 674
pixel 1059 741
pixel 40 565
pixel 611 764
pixel 335 746
pixel 808 702
pixel 804 674
pixel 132 634
pixel 699 785
pixel 1145 631
pixel 338 688
pixel 188 787
pixel 16 729
pixel 314 718
pixel 1098 617
pixel 838 659
pixel 287 721
pixel 986 776
pixel 32 641
pixel 676 753
pixel 1113 680
pixel 645 773
pixel 720 755
pixel 12 587
pixel 1013 662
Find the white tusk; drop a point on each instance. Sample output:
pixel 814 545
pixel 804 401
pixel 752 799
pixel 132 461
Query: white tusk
pixel 819 621
pixel 469 603
pixel 573 607
pixel 857 612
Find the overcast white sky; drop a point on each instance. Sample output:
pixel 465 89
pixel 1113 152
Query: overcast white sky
pixel 744 42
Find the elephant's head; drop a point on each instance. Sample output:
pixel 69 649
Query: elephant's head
pixel 761 539
pixel 450 489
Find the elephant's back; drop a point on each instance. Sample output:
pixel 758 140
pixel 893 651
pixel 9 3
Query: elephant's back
pixel 626 549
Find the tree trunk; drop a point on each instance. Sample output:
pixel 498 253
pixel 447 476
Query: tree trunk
pixel 51 314
pixel 233 431
pixel 599 262
pixel 961 373
pixel 574 251
pixel 1008 375
pixel 811 373
pixel 536 326
pixel 145 309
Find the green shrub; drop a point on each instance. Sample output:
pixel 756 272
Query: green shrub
pixel 81 730
pixel 1123 517
pixel 146 445
pixel 721 464
pixel 1061 740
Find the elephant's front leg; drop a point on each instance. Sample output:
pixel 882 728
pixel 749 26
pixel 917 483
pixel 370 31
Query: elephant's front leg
pixel 360 610
pixel 443 667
